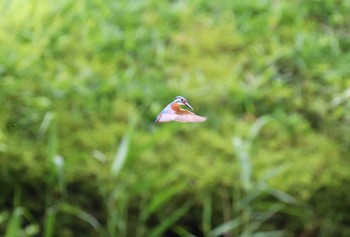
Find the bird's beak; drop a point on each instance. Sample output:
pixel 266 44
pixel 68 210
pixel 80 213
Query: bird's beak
pixel 188 105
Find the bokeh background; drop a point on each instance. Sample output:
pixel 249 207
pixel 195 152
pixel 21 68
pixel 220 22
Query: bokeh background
pixel 81 83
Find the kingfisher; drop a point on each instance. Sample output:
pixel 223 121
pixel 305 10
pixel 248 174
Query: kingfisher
pixel 173 112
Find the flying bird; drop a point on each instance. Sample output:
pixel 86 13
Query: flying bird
pixel 173 112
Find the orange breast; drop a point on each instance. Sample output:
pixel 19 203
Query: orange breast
pixel 175 107
pixel 178 110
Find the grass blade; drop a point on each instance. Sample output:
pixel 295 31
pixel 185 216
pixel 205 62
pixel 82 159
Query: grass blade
pixel 73 210
pixel 160 199
pixel 254 226
pixel 207 214
pixel 45 124
pixel 242 152
pixel 58 163
pixel 255 129
pixel 14 227
pixel 50 220
pixel 180 231
pixel 274 233
pixel 224 228
pixel 282 196
pixel 121 155
pixel 160 229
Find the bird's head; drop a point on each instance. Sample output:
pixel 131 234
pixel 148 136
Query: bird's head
pixel 182 101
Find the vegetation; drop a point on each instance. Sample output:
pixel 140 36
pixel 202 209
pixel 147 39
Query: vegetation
pixel 81 83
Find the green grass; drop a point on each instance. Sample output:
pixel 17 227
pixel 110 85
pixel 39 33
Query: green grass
pixel 82 82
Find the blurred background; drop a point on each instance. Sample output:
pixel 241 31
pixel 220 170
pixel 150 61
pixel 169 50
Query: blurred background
pixel 81 83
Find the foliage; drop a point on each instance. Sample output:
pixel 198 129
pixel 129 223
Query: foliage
pixel 82 81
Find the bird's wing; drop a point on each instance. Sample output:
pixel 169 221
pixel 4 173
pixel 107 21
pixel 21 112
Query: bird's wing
pixel 165 111
pixel 184 118
pixel 190 118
